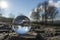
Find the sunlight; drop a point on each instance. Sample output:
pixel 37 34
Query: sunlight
pixel 3 4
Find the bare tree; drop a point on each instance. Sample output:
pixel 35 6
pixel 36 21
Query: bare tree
pixel 35 15
pixel 50 12
pixel 37 11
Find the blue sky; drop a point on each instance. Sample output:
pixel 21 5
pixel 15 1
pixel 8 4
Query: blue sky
pixel 22 6
pixel 18 7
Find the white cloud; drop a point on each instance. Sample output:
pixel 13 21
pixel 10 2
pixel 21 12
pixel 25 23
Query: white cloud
pixel 51 2
pixel 56 4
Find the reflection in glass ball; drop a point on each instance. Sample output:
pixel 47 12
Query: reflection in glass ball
pixel 21 24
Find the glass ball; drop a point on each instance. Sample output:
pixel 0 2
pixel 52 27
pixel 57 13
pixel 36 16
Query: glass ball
pixel 21 24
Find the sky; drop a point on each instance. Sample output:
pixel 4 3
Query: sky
pixel 18 7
